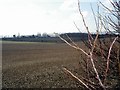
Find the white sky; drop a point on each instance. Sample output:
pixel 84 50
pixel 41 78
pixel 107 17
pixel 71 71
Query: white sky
pixel 38 16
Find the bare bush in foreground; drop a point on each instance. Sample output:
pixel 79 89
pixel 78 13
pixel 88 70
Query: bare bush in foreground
pixel 100 62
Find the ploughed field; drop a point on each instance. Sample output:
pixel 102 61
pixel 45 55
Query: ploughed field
pixel 38 65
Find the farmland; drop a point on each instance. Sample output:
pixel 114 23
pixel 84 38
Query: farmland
pixel 37 65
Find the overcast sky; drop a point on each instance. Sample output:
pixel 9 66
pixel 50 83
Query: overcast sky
pixel 38 16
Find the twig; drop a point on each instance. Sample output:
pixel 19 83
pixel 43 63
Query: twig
pixel 75 47
pixel 97 75
pixel 94 16
pixel 75 77
pixel 72 41
pixel 89 34
pixel 96 38
pixel 108 58
pixel 108 9
pixel 77 27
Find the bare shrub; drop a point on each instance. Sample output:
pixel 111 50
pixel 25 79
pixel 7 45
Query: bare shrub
pixel 101 64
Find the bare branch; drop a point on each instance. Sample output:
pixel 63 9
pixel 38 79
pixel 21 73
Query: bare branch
pixel 94 16
pixel 97 75
pixel 108 58
pixel 94 44
pixel 75 47
pixel 95 41
pixel 72 41
pixel 108 9
pixel 77 27
pixel 75 77
pixel 85 23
